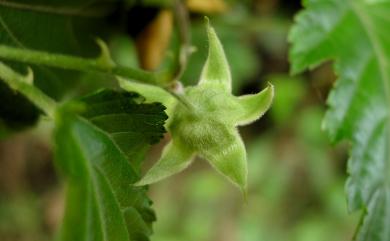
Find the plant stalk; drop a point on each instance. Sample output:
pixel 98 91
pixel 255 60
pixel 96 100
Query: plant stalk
pixel 77 63
pixel 24 85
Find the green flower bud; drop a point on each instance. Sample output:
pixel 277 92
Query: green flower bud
pixel 206 124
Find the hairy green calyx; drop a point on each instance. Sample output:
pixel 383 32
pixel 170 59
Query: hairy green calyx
pixel 205 121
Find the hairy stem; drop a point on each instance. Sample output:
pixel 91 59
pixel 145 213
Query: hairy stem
pixel 24 85
pixel 183 25
pixel 99 64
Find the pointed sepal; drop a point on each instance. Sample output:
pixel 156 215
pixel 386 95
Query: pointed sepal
pixel 230 161
pixel 216 71
pixel 175 158
pixel 254 106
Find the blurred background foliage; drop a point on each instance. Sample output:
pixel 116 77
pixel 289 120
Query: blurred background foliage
pixel 296 178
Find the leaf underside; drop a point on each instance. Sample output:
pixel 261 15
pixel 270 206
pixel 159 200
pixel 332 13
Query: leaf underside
pixel 356 36
pixel 101 202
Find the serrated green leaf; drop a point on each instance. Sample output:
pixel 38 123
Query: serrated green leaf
pixel 128 121
pixel 102 203
pixel 355 34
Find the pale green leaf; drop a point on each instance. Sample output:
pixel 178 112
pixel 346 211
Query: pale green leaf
pixel 355 34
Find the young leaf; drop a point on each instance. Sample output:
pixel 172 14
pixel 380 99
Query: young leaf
pixel 102 203
pixel 355 34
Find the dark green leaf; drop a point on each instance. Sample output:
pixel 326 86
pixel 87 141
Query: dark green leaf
pixel 67 27
pixel 355 34
pixel 101 203
pixel 128 121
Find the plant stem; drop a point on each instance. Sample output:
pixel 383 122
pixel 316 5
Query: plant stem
pixel 80 64
pixel 24 85
pixel 183 25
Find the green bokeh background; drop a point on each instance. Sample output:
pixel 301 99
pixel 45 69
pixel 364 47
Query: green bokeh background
pixel 296 178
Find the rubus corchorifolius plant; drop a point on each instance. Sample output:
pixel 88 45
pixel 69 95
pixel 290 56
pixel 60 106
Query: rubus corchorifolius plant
pixel 203 120
pixel 100 137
